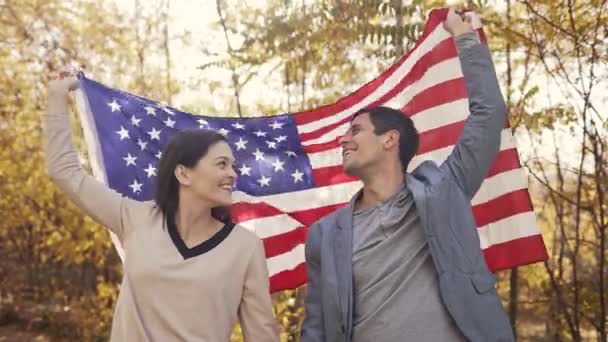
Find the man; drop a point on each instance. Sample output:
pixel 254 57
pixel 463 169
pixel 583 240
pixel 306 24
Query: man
pixel 402 261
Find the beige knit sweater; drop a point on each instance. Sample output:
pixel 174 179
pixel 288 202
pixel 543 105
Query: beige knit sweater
pixel 169 292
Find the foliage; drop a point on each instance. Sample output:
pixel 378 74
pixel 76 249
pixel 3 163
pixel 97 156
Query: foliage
pixel 60 274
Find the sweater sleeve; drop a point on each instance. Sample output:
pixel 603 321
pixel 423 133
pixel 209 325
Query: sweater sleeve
pixel 255 312
pixel 103 204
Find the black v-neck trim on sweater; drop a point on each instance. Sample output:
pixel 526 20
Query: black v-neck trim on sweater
pixel 202 247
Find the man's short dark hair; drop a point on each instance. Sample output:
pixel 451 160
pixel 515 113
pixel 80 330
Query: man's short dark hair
pixel 385 119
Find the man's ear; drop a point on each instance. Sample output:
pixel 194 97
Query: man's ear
pixel 391 139
pixel 182 174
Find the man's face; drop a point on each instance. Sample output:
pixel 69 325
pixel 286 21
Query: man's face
pixel 361 147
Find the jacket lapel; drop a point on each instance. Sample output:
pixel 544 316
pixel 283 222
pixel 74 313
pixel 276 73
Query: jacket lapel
pixel 417 189
pixel 343 257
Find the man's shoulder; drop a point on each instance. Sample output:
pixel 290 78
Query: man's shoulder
pixel 330 221
pixel 428 172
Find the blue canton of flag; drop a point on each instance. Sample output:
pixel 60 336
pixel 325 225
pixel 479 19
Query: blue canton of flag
pixel 133 131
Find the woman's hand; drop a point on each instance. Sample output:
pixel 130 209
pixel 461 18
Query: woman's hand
pixel 64 83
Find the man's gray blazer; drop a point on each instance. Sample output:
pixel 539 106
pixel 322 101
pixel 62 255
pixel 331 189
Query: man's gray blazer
pixel 442 194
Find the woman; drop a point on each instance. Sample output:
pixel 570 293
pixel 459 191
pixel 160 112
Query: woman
pixel 189 273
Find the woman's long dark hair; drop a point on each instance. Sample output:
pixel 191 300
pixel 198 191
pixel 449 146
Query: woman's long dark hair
pixel 186 148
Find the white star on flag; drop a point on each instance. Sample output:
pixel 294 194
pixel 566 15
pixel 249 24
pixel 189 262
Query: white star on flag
pixel 130 159
pixel 202 123
pixel 278 165
pixel 169 123
pixel 114 105
pixel 150 110
pixel 259 155
pixel 237 125
pixel 297 176
pixel 150 170
pixel 135 121
pixel 135 186
pixel 276 125
pixel 154 134
pixel 124 134
pixel 264 181
pixel 241 144
pixel 167 110
pixel 245 170
pixel 142 144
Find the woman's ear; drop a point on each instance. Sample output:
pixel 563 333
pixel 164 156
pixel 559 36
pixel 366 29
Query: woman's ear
pixel 182 174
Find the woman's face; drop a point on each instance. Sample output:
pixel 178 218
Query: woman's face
pixel 212 178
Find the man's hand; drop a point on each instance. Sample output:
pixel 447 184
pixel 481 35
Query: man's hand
pixel 455 25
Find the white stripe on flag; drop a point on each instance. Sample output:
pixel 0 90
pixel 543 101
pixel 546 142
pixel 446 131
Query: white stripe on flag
pixel 441 154
pixel 491 188
pixel 306 199
pixel 333 157
pixel 442 115
pixel 500 184
pixel 438 35
pixel 510 228
pixel 286 261
pixel 436 117
pixel 271 225
pixel 441 72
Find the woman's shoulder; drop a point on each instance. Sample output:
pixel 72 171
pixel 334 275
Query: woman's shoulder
pixel 139 213
pixel 142 208
pixel 245 235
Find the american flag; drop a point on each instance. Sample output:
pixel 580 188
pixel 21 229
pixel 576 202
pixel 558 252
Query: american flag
pixel 289 165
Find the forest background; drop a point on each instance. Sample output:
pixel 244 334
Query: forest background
pixel 59 273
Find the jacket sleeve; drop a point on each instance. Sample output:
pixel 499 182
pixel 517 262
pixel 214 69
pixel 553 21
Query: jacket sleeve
pixel 479 142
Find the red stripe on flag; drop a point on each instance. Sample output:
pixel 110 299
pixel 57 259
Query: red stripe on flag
pixel 310 216
pixel 288 279
pixel 513 203
pixel 331 175
pixel 323 146
pixel 442 93
pixel 505 160
pixel 440 53
pixel 444 51
pixel 321 131
pixel 518 252
pixel 446 92
pixel 283 243
pixel 242 211
pixel 356 97
pixel 440 137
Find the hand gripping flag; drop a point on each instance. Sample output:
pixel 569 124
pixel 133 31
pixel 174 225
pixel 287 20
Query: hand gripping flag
pixel 289 165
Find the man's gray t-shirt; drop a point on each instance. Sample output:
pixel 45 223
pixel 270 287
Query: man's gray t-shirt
pixel 396 291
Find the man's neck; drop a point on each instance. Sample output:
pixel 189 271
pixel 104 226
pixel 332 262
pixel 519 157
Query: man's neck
pixel 380 187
